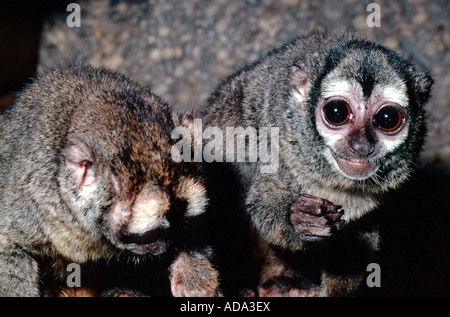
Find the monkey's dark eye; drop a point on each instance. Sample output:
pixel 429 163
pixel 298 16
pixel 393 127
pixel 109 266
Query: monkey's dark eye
pixel 337 112
pixel 388 119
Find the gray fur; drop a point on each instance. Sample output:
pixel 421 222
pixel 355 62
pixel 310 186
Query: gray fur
pixel 260 95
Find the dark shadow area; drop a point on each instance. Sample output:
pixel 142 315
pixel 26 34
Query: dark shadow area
pixel 415 256
pixel 20 30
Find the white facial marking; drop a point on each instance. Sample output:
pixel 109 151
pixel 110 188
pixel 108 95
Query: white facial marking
pixel 391 144
pixel 336 88
pixel 195 194
pixel 148 213
pixel 395 94
pixel 331 160
pixel 330 138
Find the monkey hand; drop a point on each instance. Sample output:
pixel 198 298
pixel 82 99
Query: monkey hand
pixel 314 216
pixel 192 275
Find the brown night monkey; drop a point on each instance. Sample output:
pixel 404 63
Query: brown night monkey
pixel 351 120
pixel 86 177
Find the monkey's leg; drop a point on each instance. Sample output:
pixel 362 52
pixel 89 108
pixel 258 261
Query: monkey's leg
pixel 278 279
pixel 319 217
pixel 192 275
pixel 315 216
pixel 346 260
pixel 291 225
pixel 19 274
pixel 339 286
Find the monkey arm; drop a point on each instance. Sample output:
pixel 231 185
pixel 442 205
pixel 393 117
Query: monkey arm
pixel 19 274
pixel 268 204
pixel 287 221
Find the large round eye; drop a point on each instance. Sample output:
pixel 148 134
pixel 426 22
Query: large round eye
pixel 337 112
pixel 388 119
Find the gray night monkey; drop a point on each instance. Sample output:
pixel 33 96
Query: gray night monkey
pixel 86 176
pixel 351 122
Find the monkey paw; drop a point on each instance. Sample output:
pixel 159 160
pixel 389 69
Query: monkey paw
pixel 192 275
pixel 314 216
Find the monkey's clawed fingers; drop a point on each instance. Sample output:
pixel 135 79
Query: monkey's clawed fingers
pixel 315 206
pixel 315 216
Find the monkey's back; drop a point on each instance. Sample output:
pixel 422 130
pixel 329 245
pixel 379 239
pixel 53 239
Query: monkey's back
pixel 31 134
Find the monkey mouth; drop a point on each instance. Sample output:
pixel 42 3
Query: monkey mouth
pixel 155 241
pixel 353 168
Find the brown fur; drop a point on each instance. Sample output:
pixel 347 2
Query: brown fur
pixel 86 176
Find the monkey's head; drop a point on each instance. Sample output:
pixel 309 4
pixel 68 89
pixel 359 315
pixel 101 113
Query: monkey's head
pixel 364 108
pixel 117 176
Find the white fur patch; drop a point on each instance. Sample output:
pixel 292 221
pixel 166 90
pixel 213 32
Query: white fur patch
pixel 391 144
pixel 300 98
pixel 393 94
pixel 330 138
pixel 332 161
pixel 336 88
pixel 148 213
pixel 195 195
pixel 396 94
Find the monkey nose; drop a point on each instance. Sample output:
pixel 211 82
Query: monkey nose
pixel 362 148
pixel 363 143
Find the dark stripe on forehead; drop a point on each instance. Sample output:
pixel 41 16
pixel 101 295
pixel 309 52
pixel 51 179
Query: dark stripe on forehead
pixel 367 79
pixel 398 63
pixel 368 75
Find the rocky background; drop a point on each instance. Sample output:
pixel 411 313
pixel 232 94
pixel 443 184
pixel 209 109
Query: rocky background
pixel 183 49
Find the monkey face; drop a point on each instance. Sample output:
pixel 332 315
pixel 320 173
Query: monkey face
pixel 151 221
pixel 143 219
pixel 358 132
pixel 122 185
pixel 362 110
pixel 140 224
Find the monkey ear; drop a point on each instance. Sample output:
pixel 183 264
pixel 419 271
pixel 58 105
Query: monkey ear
pixel 188 122
pixel 300 83
pixel 80 158
pixel 423 82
